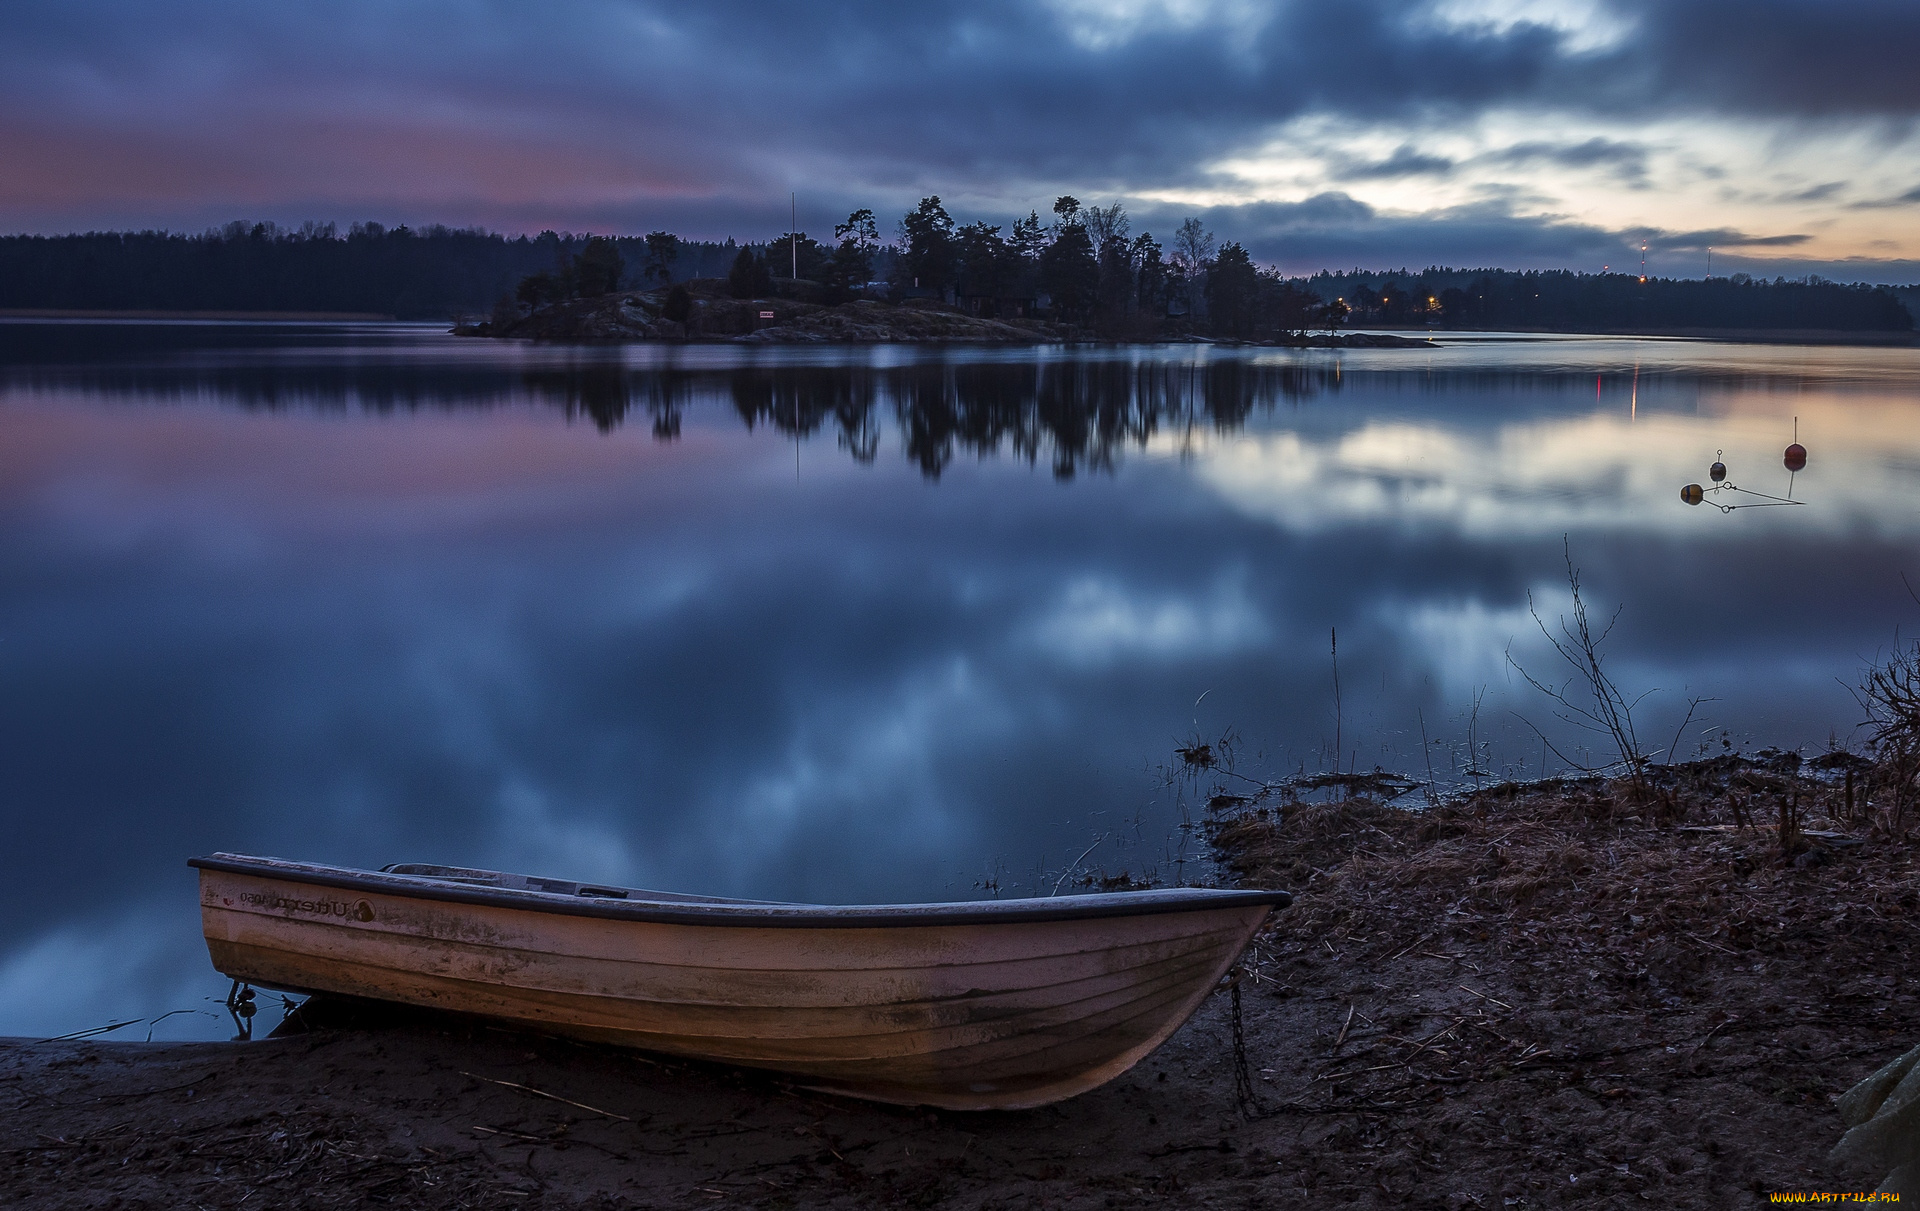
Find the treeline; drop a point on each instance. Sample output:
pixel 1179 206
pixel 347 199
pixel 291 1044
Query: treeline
pixel 1084 267
pixel 1558 300
pixel 426 273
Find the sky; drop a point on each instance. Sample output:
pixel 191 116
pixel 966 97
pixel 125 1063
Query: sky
pixel 1778 135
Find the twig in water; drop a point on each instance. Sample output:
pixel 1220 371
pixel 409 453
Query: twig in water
pixel 87 1034
pixel 1344 1026
pixel 1693 704
pixel 1075 865
pixel 1334 634
pixel 1427 749
pixel 163 1017
pixel 1610 712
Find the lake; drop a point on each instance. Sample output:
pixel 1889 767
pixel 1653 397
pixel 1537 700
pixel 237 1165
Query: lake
pixel 857 625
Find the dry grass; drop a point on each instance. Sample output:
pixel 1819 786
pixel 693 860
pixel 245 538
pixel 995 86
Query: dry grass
pixel 1679 979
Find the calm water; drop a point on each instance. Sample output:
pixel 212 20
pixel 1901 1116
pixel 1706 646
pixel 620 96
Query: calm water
pixel 845 625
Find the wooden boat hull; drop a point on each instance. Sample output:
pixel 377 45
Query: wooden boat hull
pixel 997 1006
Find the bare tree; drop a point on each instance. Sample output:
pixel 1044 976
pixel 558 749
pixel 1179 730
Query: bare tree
pixel 1192 247
pixel 1588 698
pixel 1108 224
pixel 1890 692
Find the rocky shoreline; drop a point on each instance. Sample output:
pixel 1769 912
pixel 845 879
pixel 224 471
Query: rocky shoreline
pixel 713 316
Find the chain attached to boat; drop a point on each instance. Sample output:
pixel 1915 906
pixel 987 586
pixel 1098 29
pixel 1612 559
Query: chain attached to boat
pixel 1244 1097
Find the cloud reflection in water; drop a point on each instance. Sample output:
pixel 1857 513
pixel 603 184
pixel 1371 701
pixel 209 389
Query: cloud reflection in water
pixel 367 595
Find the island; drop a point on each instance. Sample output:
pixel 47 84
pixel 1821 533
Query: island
pixel 704 309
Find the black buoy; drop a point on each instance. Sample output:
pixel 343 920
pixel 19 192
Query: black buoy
pixel 1692 494
pixel 1717 472
pixel 1796 459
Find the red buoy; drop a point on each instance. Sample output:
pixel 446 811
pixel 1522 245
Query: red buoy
pixel 1796 459
pixel 1692 494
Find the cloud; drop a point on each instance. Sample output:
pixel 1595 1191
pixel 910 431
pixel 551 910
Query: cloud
pixel 630 114
pixel 1721 237
pixel 1909 198
pixel 1335 229
pixel 1627 159
pixel 1404 162
pixel 1785 58
pixel 1817 193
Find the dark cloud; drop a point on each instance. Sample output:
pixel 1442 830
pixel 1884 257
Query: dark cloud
pixel 1720 237
pixel 1404 162
pixel 1334 229
pixel 1627 160
pixel 637 113
pixel 1909 198
pixel 1785 58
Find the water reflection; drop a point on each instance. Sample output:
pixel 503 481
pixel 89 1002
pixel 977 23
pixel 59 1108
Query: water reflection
pixel 842 625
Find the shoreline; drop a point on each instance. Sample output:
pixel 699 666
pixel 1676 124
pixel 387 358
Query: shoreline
pixel 1373 336
pixel 55 313
pixel 1514 997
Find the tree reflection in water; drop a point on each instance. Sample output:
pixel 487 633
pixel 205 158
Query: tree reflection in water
pixel 1079 415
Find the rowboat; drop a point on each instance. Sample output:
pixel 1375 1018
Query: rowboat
pixel 1001 1004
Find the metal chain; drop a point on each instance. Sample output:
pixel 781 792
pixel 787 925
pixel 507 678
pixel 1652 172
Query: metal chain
pixel 1243 1095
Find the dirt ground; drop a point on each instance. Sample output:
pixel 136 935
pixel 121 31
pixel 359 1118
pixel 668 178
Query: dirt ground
pixel 1529 997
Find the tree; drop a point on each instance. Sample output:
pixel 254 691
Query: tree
pixel 926 239
pixel 1284 307
pixel 596 271
pixel 1104 225
pixel 985 265
pixel 1332 313
pixel 536 290
pixel 1150 288
pixel 1114 295
pixel 798 248
pixel 1028 238
pixel 663 249
pixel 505 312
pixel 679 304
pixel 1192 248
pixel 749 279
pixel 1069 270
pixel 1232 286
pixel 1395 303
pixel 851 264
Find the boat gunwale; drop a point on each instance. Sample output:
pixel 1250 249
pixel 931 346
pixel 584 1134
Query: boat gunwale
pixel 752 915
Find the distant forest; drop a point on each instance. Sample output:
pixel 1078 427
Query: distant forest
pixel 430 273
pixel 1084 268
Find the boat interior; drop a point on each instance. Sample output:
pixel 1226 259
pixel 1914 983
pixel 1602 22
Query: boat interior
pixel 557 887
